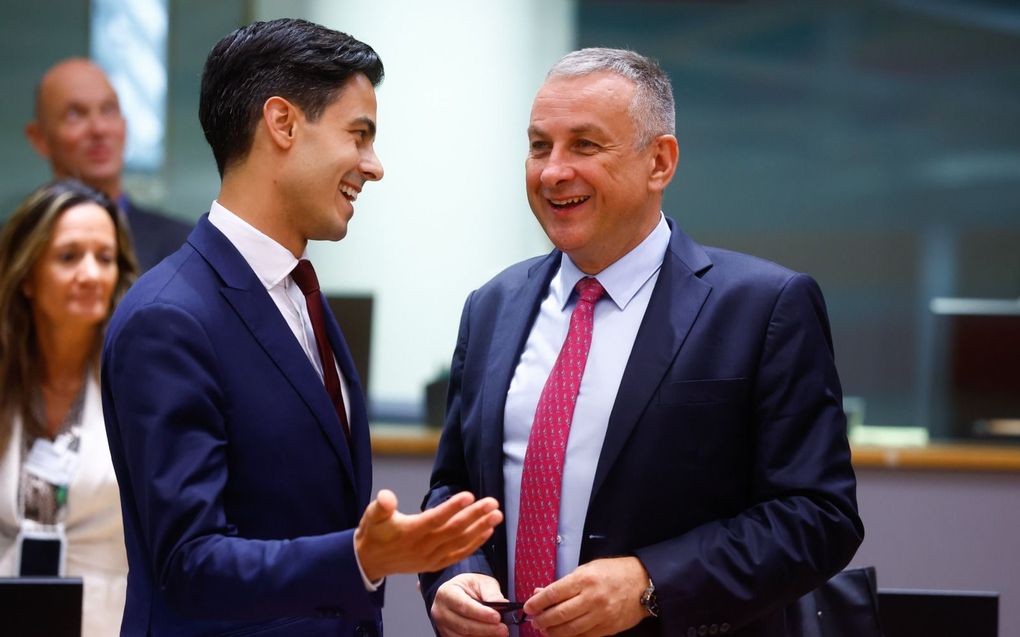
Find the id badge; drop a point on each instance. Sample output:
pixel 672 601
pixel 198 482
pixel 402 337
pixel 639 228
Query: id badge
pixel 52 461
pixel 40 552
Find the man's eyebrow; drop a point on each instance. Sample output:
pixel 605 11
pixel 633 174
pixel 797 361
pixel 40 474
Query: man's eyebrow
pixel 368 123
pixel 582 129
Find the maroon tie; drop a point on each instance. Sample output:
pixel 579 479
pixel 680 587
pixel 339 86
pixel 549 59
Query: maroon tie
pixel 542 476
pixel 304 276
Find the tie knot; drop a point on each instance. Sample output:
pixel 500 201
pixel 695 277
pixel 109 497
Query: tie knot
pixel 304 275
pixel 589 289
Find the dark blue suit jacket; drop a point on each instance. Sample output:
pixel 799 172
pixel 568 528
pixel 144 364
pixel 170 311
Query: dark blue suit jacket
pixel 154 235
pixel 239 491
pixel 725 467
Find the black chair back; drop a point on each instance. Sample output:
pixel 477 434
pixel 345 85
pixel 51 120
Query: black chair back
pixel 928 613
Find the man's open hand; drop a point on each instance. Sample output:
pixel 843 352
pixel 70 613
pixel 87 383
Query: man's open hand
pixel 388 541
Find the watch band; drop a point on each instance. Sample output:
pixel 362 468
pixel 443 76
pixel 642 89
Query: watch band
pixel 649 600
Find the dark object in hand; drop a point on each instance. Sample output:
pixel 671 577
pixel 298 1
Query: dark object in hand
pixel 512 609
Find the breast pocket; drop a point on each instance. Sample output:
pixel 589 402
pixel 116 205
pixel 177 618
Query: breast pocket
pixel 703 423
pixel 704 392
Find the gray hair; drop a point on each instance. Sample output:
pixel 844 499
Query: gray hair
pixel 652 108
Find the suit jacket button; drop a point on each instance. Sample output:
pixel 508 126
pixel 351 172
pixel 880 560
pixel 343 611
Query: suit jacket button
pixel 702 630
pixel 713 629
pixel 724 627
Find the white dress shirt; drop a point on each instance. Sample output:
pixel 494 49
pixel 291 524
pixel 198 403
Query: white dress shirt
pixel 273 264
pixel 628 283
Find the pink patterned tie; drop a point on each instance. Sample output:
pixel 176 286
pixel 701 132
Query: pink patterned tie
pixel 542 476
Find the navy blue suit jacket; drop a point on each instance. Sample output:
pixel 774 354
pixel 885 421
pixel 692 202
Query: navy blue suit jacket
pixel 725 466
pixel 239 491
pixel 154 235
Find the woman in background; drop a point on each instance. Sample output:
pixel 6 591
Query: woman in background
pixel 65 260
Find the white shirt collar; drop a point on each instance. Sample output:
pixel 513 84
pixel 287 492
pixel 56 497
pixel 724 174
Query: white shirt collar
pixel 271 261
pixel 624 277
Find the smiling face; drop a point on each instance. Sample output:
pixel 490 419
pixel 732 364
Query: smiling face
pixel 332 159
pixel 73 280
pixel 595 194
pixel 79 127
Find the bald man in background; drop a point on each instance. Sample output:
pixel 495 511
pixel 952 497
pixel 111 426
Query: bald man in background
pixel 79 129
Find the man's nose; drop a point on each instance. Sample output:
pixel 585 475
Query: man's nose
pixel 557 169
pixel 101 123
pixel 371 167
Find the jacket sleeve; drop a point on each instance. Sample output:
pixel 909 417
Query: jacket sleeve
pixel 450 473
pixel 161 384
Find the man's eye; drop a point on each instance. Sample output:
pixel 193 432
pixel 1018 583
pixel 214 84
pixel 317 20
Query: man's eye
pixel 586 145
pixel 539 147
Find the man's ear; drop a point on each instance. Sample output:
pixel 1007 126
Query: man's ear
pixel 665 153
pixel 34 133
pixel 280 118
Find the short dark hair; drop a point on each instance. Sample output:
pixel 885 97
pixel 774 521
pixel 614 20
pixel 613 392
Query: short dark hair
pixel 297 60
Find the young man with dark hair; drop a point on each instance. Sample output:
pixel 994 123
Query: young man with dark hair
pixel 236 419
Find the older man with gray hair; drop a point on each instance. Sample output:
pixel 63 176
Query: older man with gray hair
pixel 662 421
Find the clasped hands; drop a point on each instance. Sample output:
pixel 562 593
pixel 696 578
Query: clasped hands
pixel 388 541
pixel 601 597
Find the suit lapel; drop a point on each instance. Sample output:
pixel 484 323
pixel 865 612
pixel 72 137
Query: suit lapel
pixel 675 303
pixel 513 323
pixel 253 305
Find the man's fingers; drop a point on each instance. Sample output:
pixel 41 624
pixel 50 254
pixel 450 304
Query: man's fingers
pixel 547 597
pixel 382 508
pixel 387 499
pixel 455 551
pixel 442 513
pixel 464 520
pixel 460 538
pixel 457 612
pixel 465 541
pixel 437 533
pixel 574 616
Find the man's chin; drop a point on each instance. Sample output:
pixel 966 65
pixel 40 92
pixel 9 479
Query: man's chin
pixel 335 233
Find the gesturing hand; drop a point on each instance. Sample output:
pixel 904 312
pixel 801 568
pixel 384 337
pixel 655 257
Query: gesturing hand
pixel 388 541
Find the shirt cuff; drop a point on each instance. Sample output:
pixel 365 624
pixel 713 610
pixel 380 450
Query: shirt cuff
pixel 370 586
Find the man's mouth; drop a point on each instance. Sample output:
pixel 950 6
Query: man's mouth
pixel 349 192
pixel 567 203
pixel 99 151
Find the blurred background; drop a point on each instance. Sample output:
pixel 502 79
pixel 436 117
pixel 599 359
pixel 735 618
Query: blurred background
pixel 874 145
